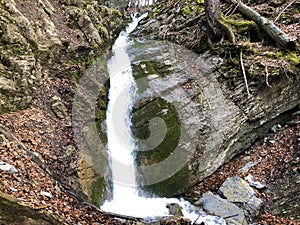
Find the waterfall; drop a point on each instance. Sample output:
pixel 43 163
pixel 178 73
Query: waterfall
pixel 120 141
pixel 121 144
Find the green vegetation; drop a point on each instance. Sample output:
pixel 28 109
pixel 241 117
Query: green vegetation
pixel 292 57
pixel 176 184
pixel 98 191
pixel 186 10
pixel 141 118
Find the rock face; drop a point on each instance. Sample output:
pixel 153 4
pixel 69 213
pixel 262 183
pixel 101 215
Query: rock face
pixel 13 211
pixel 188 122
pixel 36 37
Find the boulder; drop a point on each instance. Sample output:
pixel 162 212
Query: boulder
pixel 174 209
pixel 215 205
pixel 238 191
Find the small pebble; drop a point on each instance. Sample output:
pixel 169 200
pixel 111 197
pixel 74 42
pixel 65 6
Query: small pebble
pixel 47 194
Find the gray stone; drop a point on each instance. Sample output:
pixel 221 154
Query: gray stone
pixel 46 193
pixel 237 190
pixel 8 168
pixel 248 166
pixel 60 110
pixel 215 205
pixel 7 86
pixel 254 183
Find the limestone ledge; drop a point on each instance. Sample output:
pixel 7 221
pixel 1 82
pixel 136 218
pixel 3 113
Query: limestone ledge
pixel 37 38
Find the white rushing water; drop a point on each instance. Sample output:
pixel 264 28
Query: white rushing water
pixel 126 200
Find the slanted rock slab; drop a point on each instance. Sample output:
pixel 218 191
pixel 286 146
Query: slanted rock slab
pixel 215 205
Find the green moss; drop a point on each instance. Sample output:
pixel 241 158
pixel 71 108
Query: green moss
pixel 186 10
pixel 146 68
pixel 241 26
pixel 98 191
pixel 235 61
pixel 141 118
pixel 140 128
pixel 94 45
pixel 292 57
pixel 175 185
pixel 278 55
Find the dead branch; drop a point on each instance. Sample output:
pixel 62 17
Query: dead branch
pixel 291 3
pixel 244 73
pixel 269 27
pixel 267 76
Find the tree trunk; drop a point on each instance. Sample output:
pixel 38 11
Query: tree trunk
pixel 216 28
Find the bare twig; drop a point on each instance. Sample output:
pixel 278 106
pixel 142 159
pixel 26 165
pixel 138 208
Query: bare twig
pixel 291 3
pixel 267 76
pixel 244 73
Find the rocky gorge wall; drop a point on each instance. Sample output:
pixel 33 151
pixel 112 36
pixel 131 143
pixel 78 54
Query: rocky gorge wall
pixel 187 119
pixel 192 93
pixel 55 40
pixel 37 38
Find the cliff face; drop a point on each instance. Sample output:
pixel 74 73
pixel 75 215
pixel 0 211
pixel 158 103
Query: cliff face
pixel 45 47
pixel 44 38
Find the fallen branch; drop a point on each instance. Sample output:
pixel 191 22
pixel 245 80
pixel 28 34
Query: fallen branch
pixel 244 73
pixel 269 27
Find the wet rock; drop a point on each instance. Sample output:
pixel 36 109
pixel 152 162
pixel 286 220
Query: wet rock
pixel 238 191
pixel 174 209
pixel 8 168
pixel 215 205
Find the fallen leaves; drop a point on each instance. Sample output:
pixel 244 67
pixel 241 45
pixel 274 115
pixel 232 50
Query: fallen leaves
pixel 274 154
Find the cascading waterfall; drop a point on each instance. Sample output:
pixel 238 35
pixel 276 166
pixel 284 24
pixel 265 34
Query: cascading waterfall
pixel 126 200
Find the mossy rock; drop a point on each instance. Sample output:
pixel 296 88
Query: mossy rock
pixel 140 120
pixel 14 213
